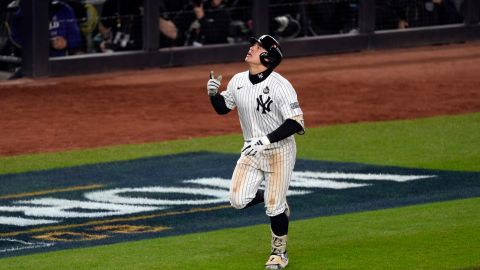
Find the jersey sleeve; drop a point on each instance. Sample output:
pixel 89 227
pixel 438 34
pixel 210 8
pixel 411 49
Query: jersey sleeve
pixel 228 95
pixel 288 106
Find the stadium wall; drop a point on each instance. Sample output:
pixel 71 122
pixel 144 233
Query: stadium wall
pixel 36 63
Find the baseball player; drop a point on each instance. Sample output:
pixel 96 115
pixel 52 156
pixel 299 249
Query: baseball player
pixel 269 115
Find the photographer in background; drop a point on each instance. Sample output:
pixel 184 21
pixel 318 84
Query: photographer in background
pixel 204 22
pixel 121 25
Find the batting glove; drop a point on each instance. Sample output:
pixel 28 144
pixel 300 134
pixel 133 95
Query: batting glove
pixel 255 146
pixel 213 84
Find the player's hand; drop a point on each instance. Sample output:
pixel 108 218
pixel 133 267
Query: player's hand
pixel 255 146
pixel 213 84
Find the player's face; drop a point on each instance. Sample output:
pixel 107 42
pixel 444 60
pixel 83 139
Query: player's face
pixel 253 54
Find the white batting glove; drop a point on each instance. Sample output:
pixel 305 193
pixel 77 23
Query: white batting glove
pixel 213 84
pixel 255 146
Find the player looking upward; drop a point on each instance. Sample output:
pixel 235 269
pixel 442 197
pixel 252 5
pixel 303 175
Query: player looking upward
pixel 269 115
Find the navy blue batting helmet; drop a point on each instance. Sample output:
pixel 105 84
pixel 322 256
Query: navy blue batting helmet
pixel 273 55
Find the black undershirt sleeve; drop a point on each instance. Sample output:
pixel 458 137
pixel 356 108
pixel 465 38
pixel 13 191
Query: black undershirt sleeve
pixel 218 103
pixel 288 128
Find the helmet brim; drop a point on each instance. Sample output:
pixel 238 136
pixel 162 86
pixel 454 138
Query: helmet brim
pixel 253 41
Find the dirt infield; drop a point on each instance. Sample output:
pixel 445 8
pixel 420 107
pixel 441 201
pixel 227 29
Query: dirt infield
pixel 57 114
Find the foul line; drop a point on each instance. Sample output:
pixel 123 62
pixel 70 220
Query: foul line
pixel 48 191
pixel 97 222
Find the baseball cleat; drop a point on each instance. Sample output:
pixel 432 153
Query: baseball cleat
pixel 277 261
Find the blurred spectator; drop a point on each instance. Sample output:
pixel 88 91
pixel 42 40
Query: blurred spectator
pixel 87 16
pixel 432 12
pixel 331 17
pixel 284 19
pixel 120 27
pixel 214 22
pixel 64 34
pixel 4 4
pixel 285 16
pixel 459 6
pixel 168 11
pixel 64 31
pixel 204 22
pixel 8 45
pixel 241 25
pixel 168 32
pixel 391 14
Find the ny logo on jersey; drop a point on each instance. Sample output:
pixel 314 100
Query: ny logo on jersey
pixel 264 104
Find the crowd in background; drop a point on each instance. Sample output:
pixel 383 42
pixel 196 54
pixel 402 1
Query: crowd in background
pixel 88 26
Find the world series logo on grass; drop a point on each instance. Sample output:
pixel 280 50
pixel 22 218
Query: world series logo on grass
pixel 132 200
pixel 178 194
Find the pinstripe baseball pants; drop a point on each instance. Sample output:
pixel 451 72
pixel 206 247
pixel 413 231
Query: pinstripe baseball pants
pixel 273 167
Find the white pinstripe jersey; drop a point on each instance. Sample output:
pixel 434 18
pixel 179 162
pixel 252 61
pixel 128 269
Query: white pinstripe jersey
pixel 261 107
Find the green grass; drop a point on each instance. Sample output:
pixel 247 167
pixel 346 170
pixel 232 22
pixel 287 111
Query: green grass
pixel 448 142
pixel 431 236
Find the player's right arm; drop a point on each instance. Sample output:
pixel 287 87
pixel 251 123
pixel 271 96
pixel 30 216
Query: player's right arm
pixel 218 103
pixel 217 100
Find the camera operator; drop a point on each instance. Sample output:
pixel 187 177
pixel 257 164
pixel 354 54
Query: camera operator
pixel 208 22
pixel 121 25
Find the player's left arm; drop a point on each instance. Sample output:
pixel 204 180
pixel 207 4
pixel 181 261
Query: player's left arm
pixel 290 109
pixel 291 126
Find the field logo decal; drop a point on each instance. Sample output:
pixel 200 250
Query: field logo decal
pixel 123 201
pixel 17 245
pixel 171 195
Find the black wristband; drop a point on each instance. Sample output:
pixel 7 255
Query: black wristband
pixel 285 130
pixel 218 103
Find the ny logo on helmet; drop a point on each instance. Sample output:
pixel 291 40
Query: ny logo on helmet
pixel 264 104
